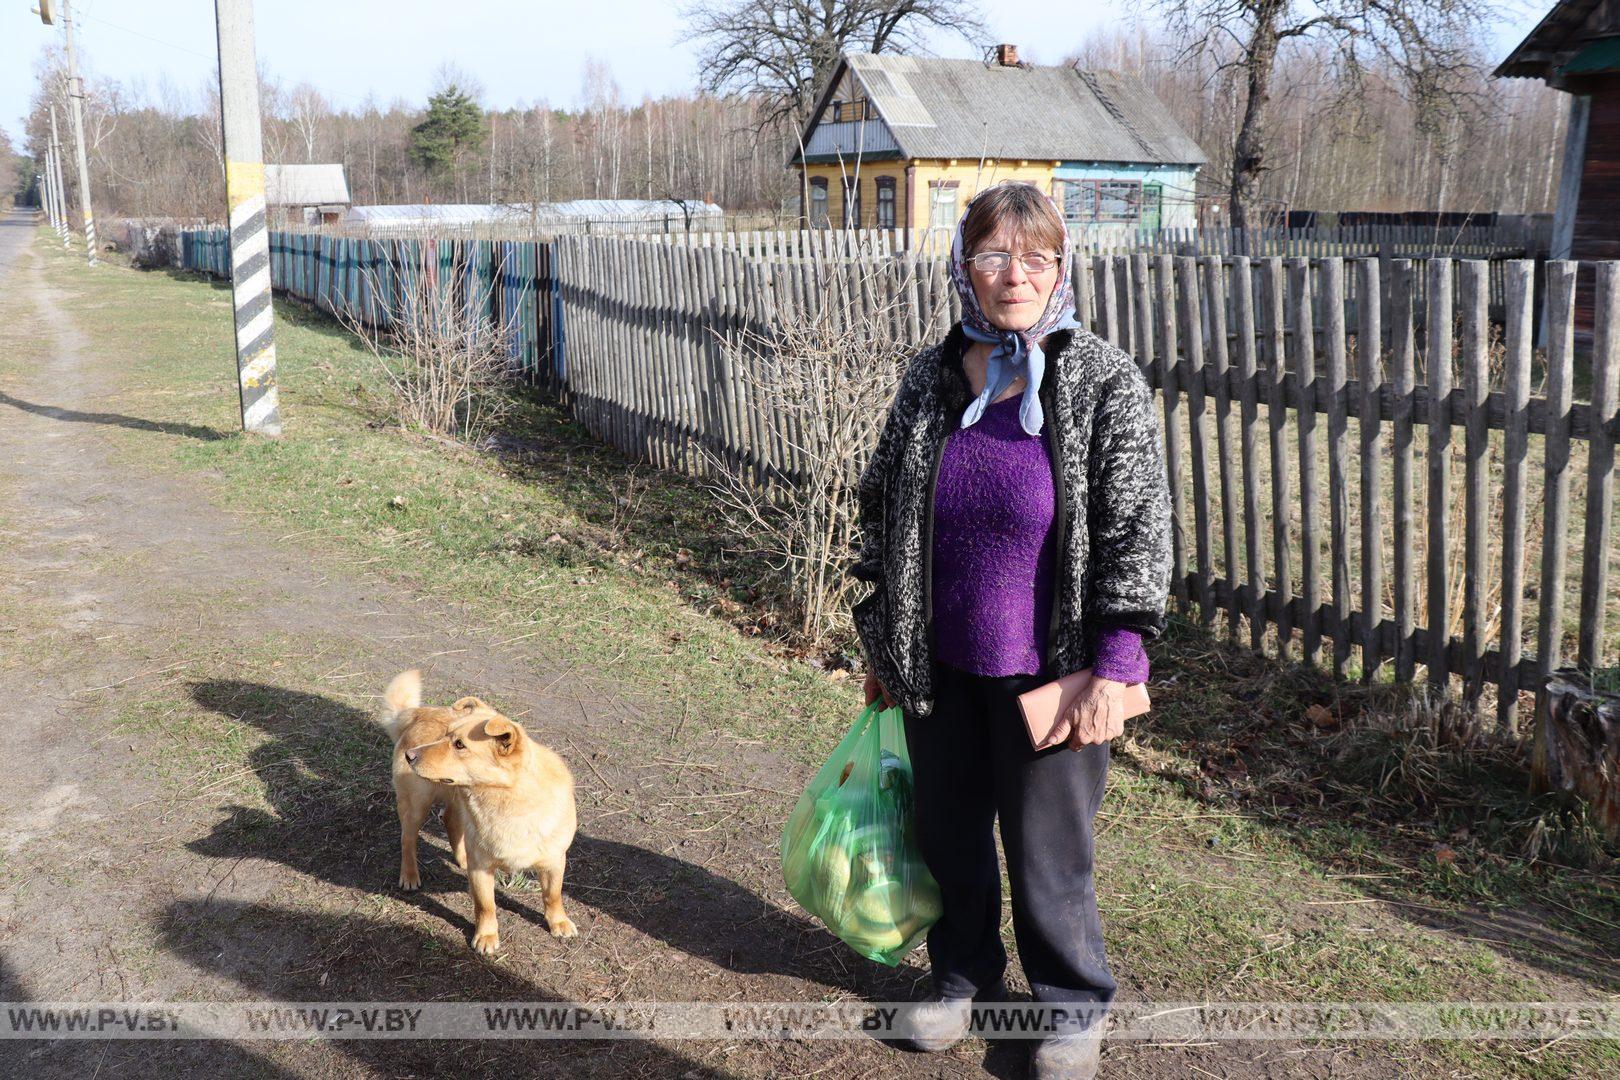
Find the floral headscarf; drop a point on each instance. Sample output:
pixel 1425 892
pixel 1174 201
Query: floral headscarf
pixel 1016 352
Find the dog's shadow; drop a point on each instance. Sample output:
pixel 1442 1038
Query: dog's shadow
pixel 325 771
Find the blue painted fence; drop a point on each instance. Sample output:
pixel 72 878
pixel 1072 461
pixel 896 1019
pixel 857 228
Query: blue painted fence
pixel 513 283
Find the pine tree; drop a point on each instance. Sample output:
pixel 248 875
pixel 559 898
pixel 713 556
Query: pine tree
pixel 453 128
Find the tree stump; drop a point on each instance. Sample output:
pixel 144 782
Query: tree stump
pixel 1577 745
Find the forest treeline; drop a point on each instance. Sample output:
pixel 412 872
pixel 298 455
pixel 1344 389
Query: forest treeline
pixel 1336 142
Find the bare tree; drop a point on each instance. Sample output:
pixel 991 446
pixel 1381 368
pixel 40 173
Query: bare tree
pixel 1427 41
pixel 786 50
pixel 307 111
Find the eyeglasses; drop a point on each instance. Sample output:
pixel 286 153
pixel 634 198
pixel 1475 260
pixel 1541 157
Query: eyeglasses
pixel 994 262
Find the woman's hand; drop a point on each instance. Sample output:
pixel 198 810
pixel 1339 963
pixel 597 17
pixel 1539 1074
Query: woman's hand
pixel 874 690
pixel 1098 714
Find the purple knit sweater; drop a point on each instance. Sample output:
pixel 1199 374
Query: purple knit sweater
pixel 994 550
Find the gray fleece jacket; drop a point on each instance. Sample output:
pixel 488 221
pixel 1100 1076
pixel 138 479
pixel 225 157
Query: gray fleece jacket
pixel 1112 508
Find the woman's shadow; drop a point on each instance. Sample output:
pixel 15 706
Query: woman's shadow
pixel 325 771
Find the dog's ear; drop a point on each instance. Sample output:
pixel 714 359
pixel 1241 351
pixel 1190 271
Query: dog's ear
pixel 504 732
pixel 469 704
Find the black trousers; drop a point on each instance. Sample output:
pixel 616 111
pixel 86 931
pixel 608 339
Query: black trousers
pixel 972 762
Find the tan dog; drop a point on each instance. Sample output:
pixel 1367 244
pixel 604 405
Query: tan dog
pixel 512 797
pixel 412 727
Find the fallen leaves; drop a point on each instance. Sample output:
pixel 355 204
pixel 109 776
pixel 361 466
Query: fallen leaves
pixel 1321 717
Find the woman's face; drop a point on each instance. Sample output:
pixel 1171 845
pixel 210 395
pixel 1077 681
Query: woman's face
pixel 1014 298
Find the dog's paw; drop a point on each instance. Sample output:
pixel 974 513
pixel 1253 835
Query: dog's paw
pixel 563 926
pixel 488 944
pixel 410 880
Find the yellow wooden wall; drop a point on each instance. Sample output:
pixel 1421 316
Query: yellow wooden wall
pixel 970 177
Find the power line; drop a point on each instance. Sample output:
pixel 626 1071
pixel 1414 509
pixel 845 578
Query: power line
pixel 149 37
pixel 202 56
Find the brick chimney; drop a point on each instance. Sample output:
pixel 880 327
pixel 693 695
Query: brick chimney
pixel 1007 55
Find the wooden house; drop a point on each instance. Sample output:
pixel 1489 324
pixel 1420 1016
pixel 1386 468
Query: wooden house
pixel 900 142
pixel 1576 48
pixel 305 194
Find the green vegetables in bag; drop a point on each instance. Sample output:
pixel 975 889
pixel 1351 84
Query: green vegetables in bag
pixel 849 849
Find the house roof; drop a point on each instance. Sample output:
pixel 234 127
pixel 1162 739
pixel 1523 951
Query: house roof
pixel 1561 33
pixel 939 108
pixel 305 185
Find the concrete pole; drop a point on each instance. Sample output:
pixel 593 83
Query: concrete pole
pixel 75 96
pixel 47 200
pixel 249 238
pixel 56 181
pixel 63 225
pixel 50 190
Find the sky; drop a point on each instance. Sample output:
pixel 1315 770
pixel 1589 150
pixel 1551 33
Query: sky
pixel 520 51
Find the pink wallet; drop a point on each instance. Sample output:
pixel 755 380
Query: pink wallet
pixel 1045 707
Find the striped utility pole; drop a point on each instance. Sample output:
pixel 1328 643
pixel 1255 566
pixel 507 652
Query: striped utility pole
pixel 244 195
pixel 48 189
pixel 75 98
pixel 55 155
pixel 46 184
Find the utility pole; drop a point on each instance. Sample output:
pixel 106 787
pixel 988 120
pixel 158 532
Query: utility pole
pixel 47 199
pixel 75 96
pixel 56 182
pixel 245 222
pixel 47 189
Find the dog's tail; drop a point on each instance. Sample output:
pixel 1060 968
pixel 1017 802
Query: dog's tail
pixel 402 695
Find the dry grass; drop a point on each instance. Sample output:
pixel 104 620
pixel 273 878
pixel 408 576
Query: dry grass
pixel 445 359
pixel 825 378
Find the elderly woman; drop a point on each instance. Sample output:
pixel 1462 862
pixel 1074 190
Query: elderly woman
pixel 1015 522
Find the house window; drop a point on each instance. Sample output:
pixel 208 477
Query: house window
pixel 942 204
pixel 1107 201
pixel 1119 200
pixel 1152 206
pixel 818 202
pixel 850 110
pixel 885 202
pixel 852 203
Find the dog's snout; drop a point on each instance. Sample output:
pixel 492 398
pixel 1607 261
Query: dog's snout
pixel 411 756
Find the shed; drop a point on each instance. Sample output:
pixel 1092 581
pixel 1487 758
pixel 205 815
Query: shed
pixel 305 194
pixel 904 141
pixel 1576 49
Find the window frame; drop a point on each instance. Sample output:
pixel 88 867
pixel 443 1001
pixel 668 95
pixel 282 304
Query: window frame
pixel 1090 192
pixel 819 194
pixel 935 188
pixel 850 111
pixel 852 202
pixel 886 202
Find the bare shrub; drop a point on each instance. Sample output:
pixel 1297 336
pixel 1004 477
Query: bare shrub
pixel 446 360
pixel 824 376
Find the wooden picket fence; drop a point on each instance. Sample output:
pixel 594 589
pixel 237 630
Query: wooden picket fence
pixel 1353 545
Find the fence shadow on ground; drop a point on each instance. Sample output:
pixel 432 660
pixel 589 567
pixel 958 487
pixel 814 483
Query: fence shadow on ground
pixel 325 773
pixel 134 423
pixel 1439 834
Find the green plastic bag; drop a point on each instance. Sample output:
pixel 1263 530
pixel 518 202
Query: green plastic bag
pixel 849 850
